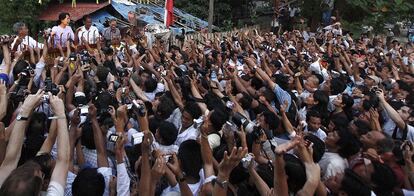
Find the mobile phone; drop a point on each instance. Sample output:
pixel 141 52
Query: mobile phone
pixel 113 138
pixel 137 138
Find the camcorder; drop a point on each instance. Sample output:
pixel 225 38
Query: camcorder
pixel 85 58
pixel 140 108
pixel 122 72
pixel 137 138
pixel 241 121
pixel 51 87
pixel 72 57
pixel 21 89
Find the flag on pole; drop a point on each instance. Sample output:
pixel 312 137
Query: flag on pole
pixel 169 13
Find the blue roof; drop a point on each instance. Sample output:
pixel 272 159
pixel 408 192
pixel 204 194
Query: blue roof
pixel 99 18
pixel 190 20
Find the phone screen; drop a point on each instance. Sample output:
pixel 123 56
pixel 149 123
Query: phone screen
pixel 113 138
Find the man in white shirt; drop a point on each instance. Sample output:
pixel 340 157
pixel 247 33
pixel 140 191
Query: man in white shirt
pixel 165 136
pixel 188 130
pixel 87 32
pixel 23 39
pixel 313 124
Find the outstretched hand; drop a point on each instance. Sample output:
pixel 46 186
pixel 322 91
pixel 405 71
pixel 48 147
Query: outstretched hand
pixel 229 162
pixel 32 100
pixel 57 105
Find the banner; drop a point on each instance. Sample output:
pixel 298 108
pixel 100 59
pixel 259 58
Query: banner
pixel 169 13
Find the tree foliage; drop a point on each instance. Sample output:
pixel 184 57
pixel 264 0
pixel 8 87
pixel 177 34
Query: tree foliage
pixel 375 13
pixel 225 11
pixel 12 11
pixel 378 13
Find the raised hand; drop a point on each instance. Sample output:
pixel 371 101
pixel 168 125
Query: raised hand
pixel 380 95
pixel 32 100
pixel 175 166
pixel 58 107
pixel 230 162
pixel 283 148
pixel 158 169
pixel 3 88
pixel 408 151
pixel 284 106
pixel 92 111
pixel 373 113
pixel 147 142
pixel 305 151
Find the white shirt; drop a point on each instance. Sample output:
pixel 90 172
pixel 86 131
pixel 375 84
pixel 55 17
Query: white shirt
pixel 122 180
pixel 91 35
pixel 165 149
pixel 105 171
pixel 331 164
pixel 151 95
pixel 55 188
pixel 317 68
pixel 27 41
pixel 319 133
pixel 195 188
pixel 389 127
pixel 190 133
pixel 175 118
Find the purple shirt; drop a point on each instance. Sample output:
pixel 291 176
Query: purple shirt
pixel 62 35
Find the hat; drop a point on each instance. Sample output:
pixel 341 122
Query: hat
pixel 376 79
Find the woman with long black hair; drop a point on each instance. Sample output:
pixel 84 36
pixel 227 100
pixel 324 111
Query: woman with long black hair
pixel 62 32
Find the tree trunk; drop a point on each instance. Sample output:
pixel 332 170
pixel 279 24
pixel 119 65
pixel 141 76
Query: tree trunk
pixel 210 16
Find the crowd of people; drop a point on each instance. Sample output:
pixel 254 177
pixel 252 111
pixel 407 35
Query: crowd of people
pixel 255 113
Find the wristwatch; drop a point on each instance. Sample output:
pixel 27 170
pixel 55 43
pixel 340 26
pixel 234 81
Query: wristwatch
pixel 21 118
pixel 223 184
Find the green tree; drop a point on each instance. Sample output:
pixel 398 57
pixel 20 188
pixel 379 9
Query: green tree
pixel 375 13
pixel 378 13
pixel 225 11
pixel 12 11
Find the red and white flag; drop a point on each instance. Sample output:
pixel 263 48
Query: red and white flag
pixel 169 13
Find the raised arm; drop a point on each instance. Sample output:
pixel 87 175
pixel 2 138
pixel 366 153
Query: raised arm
pixel 197 95
pixel 206 154
pixel 286 123
pixel 123 179
pixel 261 73
pixel 226 166
pixel 98 138
pixel 7 59
pixel 138 91
pixel 14 146
pixel 50 139
pixel 144 185
pixel 3 99
pixel 60 171
pixel 260 184
pixel 175 94
pixel 3 142
pixel 391 111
